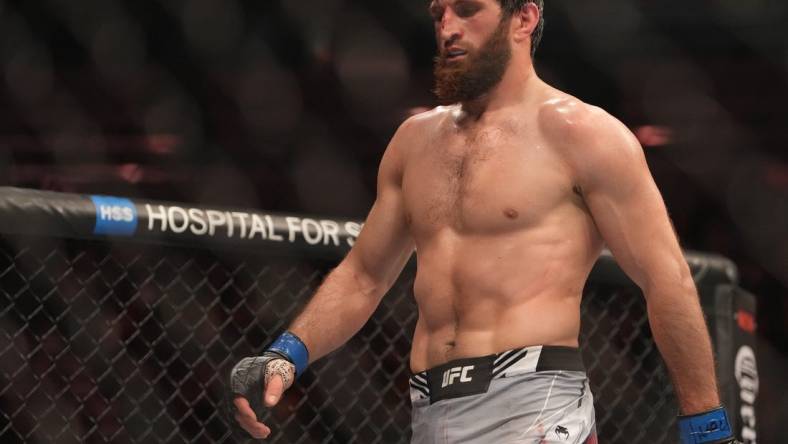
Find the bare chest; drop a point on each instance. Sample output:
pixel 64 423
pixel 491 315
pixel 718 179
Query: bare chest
pixel 485 182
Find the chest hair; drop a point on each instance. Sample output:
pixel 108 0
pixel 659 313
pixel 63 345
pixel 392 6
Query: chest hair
pixel 456 164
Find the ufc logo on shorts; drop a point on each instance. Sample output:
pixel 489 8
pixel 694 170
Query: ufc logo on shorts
pixel 453 373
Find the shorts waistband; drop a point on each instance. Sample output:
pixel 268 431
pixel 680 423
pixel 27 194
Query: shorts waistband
pixel 506 364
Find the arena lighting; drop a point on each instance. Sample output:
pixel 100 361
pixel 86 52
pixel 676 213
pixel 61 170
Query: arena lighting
pixel 162 143
pixel 130 172
pixel 653 135
pixel 777 176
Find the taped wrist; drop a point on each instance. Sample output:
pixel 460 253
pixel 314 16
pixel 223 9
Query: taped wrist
pixel 292 348
pixel 710 427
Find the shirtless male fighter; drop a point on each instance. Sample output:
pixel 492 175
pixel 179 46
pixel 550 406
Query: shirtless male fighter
pixel 507 193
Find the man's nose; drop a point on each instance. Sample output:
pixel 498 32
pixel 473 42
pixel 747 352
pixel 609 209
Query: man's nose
pixel 449 28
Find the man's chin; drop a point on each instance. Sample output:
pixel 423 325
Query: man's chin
pixel 451 72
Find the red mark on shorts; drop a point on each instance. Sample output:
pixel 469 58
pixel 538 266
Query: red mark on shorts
pixel 746 321
pixel 591 439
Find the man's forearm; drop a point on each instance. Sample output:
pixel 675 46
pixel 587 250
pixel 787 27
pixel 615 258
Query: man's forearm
pixel 683 339
pixel 339 308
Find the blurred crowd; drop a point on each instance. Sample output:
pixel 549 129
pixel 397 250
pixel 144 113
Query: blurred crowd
pixel 288 105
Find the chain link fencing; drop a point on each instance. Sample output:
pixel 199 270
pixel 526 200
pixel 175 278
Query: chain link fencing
pixel 132 343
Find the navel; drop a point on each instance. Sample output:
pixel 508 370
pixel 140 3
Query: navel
pixel 511 213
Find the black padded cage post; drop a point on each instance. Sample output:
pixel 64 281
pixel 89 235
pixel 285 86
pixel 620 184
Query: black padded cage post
pixel 119 320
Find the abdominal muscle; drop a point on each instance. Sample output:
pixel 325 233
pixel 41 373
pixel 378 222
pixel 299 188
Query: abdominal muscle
pixel 481 295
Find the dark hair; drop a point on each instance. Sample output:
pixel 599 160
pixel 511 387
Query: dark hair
pixel 509 7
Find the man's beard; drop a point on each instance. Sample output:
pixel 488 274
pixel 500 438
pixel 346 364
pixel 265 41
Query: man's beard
pixel 467 80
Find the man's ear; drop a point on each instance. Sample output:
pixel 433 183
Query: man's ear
pixel 525 21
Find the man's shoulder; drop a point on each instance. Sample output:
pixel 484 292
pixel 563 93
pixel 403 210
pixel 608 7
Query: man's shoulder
pixel 419 127
pixel 428 119
pixel 563 117
pixel 579 128
pixel 412 132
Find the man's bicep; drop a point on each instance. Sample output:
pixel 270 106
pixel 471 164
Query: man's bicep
pixel 631 217
pixel 384 244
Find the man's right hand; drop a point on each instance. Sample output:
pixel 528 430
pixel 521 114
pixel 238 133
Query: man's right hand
pixel 258 381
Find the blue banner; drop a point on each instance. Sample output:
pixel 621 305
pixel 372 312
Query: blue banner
pixel 114 216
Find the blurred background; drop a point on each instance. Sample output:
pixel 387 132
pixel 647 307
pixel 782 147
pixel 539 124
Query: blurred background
pixel 287 105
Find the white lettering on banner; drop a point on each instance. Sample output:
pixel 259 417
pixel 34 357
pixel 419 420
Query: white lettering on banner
pixel 293 226
pixel 354 229
pixel 230 224
pixel 178 214
pixel 271 234
pixel 314 232
pixel 116 213
pixel 215 219
pixel 153 216
pixel 237 224
pixel 309 226
pixel 242 222
pixel 746 373
pixel 198 221
pixel 257 227
pixel 330 232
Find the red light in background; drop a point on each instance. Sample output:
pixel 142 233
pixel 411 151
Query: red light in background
pixel 162 143
pixel 130 172
pixel 653 135
pixel 777 175
pixel 746 321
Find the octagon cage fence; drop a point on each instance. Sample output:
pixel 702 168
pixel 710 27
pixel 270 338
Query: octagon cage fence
pixel 120 320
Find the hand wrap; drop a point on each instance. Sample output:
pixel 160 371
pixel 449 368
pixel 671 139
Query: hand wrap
pixel 710 427
pixel 287 357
